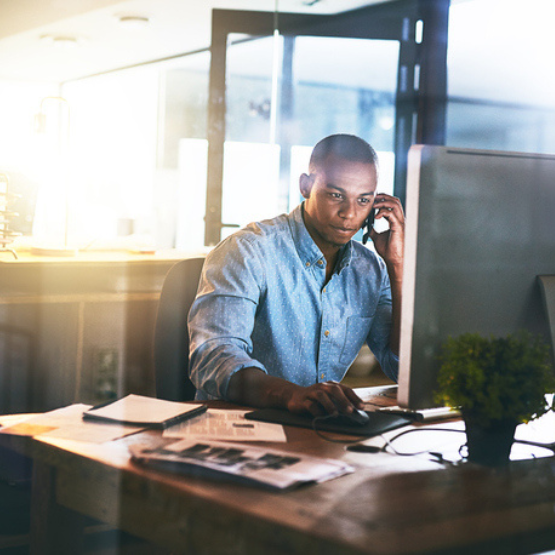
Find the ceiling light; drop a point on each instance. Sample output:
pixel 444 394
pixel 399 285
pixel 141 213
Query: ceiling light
pixel 60 41
pixel 134 22
pixel 65 42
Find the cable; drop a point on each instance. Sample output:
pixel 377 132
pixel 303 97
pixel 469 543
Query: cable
pixel 439 456
pixel 389 442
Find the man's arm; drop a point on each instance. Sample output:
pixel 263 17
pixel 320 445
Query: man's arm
pixel 396 282
pixel 222 316
pixel 221 324
pixel 251 386
pixel 390 246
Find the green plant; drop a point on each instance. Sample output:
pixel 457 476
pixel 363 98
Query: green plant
pixel 494 379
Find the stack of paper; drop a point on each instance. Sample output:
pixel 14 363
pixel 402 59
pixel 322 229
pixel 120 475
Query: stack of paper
pixel 67 423
pixel 111 421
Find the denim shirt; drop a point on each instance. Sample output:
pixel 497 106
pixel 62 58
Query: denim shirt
pixel 263 302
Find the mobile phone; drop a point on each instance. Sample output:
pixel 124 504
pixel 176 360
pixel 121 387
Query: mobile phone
pixel 368 225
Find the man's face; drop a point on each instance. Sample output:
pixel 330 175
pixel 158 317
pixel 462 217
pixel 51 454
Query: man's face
pixel 339 196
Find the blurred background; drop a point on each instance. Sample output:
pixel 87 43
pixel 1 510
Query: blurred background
pixel 104 107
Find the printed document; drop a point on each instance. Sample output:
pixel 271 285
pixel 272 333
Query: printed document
pixel 226 425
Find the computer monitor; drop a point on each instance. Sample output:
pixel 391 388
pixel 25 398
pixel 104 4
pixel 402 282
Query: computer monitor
pixel 480 226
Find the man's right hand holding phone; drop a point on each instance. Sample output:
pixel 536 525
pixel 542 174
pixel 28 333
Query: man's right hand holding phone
pixel 390 245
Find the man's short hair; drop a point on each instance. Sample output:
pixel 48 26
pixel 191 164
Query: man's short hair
pixel 347 147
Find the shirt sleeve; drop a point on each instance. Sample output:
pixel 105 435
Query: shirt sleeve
pixel 221 319
pixel 379 337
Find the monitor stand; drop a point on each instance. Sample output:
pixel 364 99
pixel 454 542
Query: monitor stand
pixel 547 284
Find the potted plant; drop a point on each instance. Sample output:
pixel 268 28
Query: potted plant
pixel 497 383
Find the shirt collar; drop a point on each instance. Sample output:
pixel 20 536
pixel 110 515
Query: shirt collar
pixel 308 251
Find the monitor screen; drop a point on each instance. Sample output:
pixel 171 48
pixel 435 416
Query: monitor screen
pixel 480 226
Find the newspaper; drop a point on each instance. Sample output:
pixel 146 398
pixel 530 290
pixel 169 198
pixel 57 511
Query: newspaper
pixel 228 425
pixel 243 463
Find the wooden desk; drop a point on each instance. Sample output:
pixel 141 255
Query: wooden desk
pixel 390 506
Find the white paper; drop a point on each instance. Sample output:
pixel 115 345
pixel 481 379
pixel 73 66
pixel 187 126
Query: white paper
pixel 226 425
pixel 68 423
pixel 7 420
pixel 137 408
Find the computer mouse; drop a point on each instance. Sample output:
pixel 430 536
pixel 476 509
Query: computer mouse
pixel 355 418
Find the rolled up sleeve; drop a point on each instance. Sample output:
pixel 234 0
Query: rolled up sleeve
pixel 222 317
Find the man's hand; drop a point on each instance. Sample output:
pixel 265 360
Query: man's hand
pixel 390 243
pixel 323 398
pixel 251 386
pixel 390 246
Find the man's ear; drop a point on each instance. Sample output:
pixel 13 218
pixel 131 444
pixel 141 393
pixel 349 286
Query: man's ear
pixel 305 185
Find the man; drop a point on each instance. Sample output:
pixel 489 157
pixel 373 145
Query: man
pixel 284 305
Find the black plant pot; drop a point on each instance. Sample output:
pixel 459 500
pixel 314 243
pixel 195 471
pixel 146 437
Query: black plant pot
pixel 489 445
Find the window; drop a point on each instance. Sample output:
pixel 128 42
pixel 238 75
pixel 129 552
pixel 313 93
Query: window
pixel 128 172
pixel 501 82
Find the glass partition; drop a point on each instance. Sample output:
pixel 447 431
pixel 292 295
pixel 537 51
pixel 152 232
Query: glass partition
pixel 284 94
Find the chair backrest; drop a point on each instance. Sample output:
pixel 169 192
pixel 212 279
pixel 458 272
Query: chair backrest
pixel 171 338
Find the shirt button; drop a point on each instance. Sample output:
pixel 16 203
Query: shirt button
pixel 326 333
pixel 322 376
pixel 307 264
pixel 320 263
pixel 324 290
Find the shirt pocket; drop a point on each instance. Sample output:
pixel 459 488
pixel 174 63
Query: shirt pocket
pixel 356 333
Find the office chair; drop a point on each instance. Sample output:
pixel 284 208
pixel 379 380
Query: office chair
pixel 171 337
